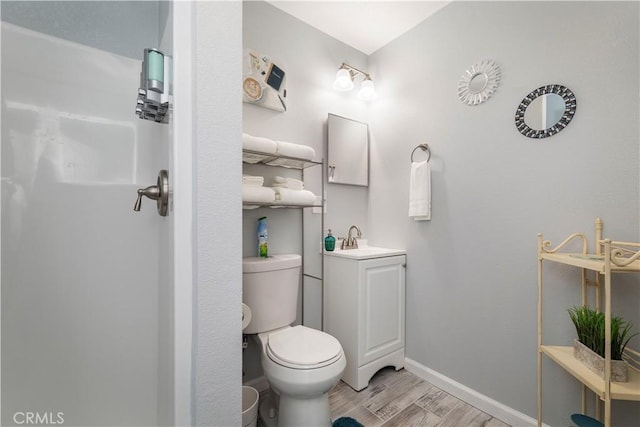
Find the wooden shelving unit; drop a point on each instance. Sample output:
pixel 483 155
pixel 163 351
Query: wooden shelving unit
pixel 610 257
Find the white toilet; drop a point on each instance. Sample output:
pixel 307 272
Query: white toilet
pixel 301 364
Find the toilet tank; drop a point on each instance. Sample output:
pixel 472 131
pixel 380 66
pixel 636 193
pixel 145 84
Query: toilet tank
pixel 270 289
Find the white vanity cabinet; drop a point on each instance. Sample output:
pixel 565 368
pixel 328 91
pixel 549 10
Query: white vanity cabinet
pixel 364 308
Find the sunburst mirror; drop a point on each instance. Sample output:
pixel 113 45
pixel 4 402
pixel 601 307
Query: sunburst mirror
pixel 479 82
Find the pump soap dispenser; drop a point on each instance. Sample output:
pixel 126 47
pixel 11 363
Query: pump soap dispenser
pixel 329 242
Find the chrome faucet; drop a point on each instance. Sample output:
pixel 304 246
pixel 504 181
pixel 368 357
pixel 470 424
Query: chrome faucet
pixel 351 242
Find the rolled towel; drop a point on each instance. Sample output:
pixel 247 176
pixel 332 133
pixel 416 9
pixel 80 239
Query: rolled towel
pixel 294 197
pixel 294 184
pixel 253 180
pixel 258 143
pixel 290 149
pixel 258 194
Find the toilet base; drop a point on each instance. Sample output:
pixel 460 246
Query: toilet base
pixel 295 412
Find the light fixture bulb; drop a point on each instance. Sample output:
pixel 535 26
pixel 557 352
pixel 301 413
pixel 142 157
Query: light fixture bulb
pixel 367 90
pixel 344 80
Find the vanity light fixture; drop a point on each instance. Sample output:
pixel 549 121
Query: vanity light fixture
pixel 344 82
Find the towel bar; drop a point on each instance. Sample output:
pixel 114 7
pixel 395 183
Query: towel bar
pixel 423 147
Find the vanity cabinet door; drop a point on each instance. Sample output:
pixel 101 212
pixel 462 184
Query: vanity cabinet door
pixel 381 307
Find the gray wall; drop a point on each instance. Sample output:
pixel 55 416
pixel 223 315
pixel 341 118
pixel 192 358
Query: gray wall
pixel 471 270
pixel 310 59
pixel 126 29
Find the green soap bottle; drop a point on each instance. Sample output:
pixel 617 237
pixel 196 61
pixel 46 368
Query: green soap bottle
pixel 329 242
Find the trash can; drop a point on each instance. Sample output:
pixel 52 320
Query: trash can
pixel 249 406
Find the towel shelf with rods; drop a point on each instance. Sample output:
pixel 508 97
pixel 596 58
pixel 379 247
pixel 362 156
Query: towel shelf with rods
pixel 423 147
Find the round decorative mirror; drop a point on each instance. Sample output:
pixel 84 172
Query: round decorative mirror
pixel 545 111
pixel 479 82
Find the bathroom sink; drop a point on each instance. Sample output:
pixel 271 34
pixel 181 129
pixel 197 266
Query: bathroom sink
pixel 365 252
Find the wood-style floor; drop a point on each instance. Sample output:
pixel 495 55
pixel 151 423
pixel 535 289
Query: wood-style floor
pixel 402 399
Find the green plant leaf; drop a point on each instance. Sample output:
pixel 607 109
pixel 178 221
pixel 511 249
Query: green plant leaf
pixel 590 329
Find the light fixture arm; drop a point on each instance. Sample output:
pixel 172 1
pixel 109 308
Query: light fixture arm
pixel 354 71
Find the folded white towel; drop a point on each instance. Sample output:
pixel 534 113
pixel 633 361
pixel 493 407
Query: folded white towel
pixel 294 184
pixel 290 149
pixel 420 191
pixel 258 194
pixel 253 180
pixel 288 186
pixel 258 143
pixel 284 162
pixel 287 180
pixel 294 197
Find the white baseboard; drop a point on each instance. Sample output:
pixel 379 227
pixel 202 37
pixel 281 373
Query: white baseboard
pixel 259 383
pixel 472 397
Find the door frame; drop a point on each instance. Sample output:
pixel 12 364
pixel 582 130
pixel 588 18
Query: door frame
pixel 183 212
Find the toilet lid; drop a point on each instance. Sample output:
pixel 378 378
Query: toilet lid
pixel 300 347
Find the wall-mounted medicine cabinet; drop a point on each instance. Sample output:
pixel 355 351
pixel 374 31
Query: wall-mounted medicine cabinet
pixel 347 151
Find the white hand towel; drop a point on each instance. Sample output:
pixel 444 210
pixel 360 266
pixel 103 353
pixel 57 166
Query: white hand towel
pixel 253 180
pixel 258 194
pixel 258 143
pixel 294 197
pixel 298 151
pixel 420 191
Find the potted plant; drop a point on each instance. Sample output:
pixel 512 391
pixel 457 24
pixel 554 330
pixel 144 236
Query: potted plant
pixel 589 348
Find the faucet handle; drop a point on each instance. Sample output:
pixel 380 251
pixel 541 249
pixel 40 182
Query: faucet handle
pixel 158 192
pixel 152 192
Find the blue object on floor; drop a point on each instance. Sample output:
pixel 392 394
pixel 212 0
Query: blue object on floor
pixel 346 422
pixel 585 421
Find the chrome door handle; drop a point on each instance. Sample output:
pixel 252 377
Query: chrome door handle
pixel 158 192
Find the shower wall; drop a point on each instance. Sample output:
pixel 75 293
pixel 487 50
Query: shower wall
pixel 83 306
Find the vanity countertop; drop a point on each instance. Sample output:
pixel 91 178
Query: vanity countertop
pixel 365 252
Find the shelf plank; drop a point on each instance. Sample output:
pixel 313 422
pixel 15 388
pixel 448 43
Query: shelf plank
pixel 589 261
pixel 563 356
pixel 258 157
pixel 277 205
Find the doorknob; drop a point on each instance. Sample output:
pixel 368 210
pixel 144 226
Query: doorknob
pixel 158 192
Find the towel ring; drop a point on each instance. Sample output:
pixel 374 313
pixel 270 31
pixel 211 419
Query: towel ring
pixel 423 147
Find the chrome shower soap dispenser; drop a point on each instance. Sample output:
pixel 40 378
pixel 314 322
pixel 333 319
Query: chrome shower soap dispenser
pixel 153 94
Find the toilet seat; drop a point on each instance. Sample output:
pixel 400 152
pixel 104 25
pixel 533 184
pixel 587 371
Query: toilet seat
pixel 300 347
